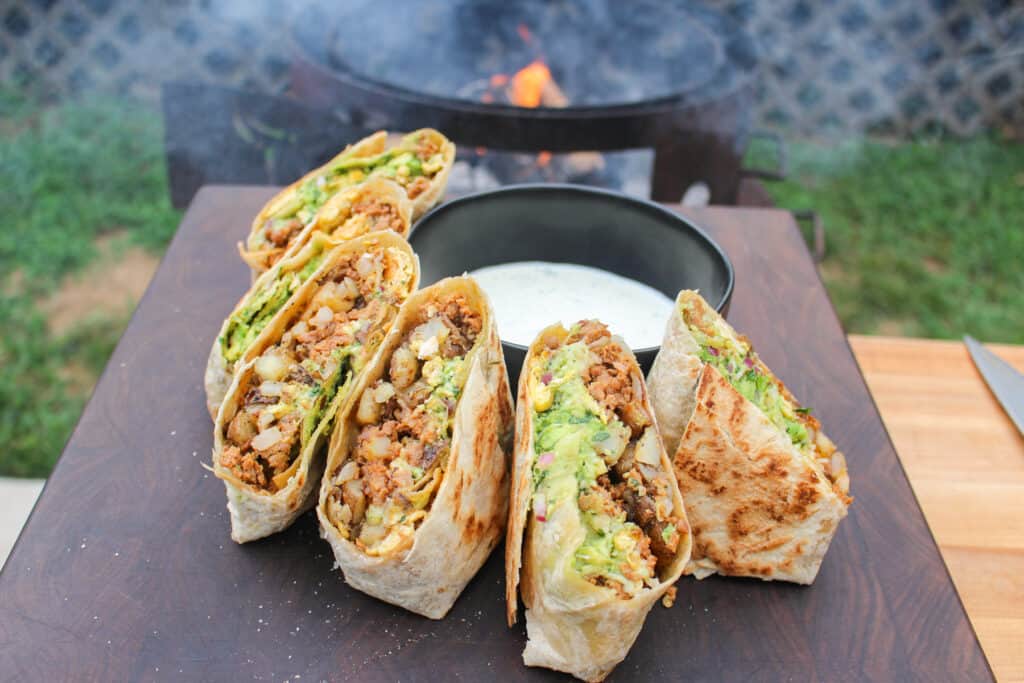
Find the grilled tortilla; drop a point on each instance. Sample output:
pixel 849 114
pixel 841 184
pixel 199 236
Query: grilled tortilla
pixel 376 204
pixel 764 487
pixel 415 492
pixel 606 532
pixel 420 163
pixel 272 429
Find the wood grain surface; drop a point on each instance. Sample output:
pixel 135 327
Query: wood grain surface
pixel 125 569
pixel 965 460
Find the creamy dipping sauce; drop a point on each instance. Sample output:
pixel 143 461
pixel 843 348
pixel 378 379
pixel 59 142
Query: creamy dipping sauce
pixel 530 295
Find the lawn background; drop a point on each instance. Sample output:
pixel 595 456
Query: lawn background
pixel 925 238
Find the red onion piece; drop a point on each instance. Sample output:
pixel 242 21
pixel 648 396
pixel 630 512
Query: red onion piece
pixel 545 459
pixel 748 361
pixel 712 350
pixel 546 378
pixel 540 507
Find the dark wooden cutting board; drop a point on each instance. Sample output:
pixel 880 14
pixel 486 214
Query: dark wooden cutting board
pixel 125 570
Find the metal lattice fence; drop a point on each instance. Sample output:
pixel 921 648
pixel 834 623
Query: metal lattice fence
pixel 893 66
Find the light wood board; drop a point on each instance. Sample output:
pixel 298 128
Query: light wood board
pixel 965 460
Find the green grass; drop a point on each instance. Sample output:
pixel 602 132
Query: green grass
pixel 69 173
pixel 924 238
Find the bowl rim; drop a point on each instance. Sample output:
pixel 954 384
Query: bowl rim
pixel 604 194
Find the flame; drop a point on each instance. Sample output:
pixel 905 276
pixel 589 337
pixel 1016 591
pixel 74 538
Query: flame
pixel 528 84
pixel 543 159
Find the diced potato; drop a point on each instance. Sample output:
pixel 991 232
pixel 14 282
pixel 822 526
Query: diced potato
pixel 648 450
pixel 352 494
pixel 242 428
pixel 403 368
pixel 270 366
pixel 335 296
pixel 349 472
pixel 368 411
pixel 379 446
pixel 383 392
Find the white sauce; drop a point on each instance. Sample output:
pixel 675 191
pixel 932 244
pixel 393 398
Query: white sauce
pixel 530 295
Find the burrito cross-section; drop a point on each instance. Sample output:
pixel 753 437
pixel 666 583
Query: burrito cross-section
pixel 419 163
pixel 765 489
pixel 598 532
pixel 271 433
pixel 415 493
pixel 371 206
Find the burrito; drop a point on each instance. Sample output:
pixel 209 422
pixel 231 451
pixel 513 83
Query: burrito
pixel 272 430
pixel 606 533
pixel 415 494
pixel 420 163
pixel 764 487
pixel 373 205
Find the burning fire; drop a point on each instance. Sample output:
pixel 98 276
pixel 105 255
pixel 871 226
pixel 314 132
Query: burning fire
pixel 532 86
pixel 529 82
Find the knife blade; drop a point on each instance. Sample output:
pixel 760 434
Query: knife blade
pixel 1004 381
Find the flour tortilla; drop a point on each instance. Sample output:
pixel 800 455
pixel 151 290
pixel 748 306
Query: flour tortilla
pixel 757 505
pixel 468 513
pixel 589 631
pixel 337 218
pixel 255 512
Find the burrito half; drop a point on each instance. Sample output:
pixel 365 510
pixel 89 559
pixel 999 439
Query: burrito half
pixel 376 204
pixel 764 487
pixel 420 162
pixel 415 494
pixel 606 533
pixel 272 429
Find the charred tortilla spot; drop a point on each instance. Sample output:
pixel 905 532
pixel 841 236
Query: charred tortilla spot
pixel 485 434
pixel 470 529
pixel 457 494
pixel 700 471
pixel 805 497
pixel 737 523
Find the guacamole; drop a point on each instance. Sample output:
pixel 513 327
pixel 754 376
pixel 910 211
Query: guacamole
pixel 577 442
pixel 246 323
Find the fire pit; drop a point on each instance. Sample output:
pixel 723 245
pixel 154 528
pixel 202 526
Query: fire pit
pixel 550 79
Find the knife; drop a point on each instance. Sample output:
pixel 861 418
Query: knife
pixel 1006 384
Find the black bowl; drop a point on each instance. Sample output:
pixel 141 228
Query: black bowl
pixel 572 224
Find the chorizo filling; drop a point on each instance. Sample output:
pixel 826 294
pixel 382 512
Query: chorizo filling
pixel 598 462
pixel 735 359
pixel 412 163
pixel 384 490
pixel 290 397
